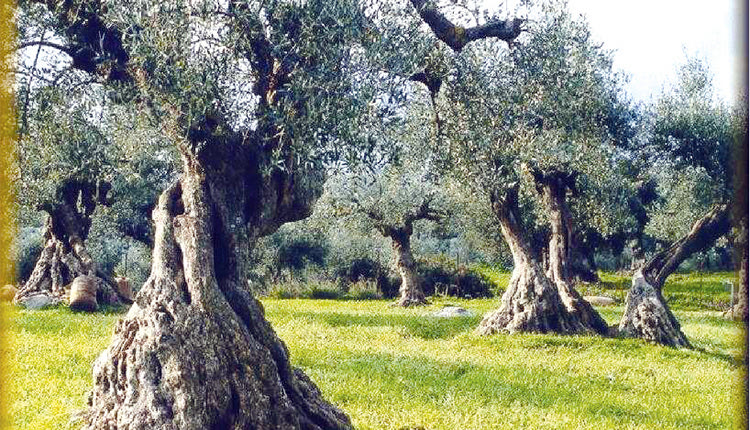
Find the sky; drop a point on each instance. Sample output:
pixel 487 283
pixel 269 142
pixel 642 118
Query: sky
pixel 651 38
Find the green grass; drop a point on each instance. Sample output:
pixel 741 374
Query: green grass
pixel 390 368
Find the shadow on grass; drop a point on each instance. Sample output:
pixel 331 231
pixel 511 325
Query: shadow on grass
pixel 732 360
pixel 425 327
pixel 423 382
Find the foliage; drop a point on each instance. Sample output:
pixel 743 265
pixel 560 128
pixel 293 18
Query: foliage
pixel 62 142
pixel 28 244
pixel 440 276
pixel 692 129
pixel 689 152
pixel 291 250
pixel 118 255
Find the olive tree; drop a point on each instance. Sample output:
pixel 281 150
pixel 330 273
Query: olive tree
pixel 527 124
pixel 65 170
pixel 691 146
pixel 391 202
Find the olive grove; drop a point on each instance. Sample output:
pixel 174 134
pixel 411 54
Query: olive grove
pixel 242 114
pixel 257 98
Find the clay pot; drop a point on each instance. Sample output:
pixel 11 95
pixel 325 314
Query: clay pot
pixel 7 293
pixel 83 294
pixel 123 288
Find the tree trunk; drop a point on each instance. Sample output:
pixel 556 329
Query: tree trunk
pixel 411 293
pixel 532 302
pixel 64 256
pixel 195 351
pixel 739 311
pixel 647 315
pixel 553 189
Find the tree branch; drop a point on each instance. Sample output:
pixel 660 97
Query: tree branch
pixel 45 43
pixel 456 36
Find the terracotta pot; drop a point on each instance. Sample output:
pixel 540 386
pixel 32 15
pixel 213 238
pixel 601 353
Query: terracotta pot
pixel 123 288
pixel 83 294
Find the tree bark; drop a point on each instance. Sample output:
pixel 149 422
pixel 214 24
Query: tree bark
pixel 411 293
pixel 553 187
pixel 647 315
pixel 64 256
pixel 456 36
pixel 739 311
pixel 532 302
pixel 195 351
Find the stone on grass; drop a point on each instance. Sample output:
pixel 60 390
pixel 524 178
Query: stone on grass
pixel 452 311
pixel 600 300
pixel 38 301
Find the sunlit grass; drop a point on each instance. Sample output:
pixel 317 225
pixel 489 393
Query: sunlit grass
pixel 390 368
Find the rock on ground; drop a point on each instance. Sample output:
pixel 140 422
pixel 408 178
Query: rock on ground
pixel 39 301
pixel 600 300
pixel 452 311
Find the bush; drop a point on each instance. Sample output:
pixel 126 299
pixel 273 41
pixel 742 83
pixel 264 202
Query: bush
pixel 364 290
pixel 29 247
pixel 296 290
pixel 440 276
pixel 366 270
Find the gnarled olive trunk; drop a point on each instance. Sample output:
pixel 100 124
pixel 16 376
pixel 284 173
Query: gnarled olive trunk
pixel 739 311
pixel 411 293
pixel 561 270
pixel 64 256
pixel 195 351
pixel 647 315
pixel 553 189
pixel 565 260
pixel 532 302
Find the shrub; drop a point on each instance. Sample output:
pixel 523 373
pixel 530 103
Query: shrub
pixel 364 290
pixel 440 276
pixel 366 270
pixel 29 247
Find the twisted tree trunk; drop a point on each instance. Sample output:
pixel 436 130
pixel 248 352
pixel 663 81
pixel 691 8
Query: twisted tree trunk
pixel 647 315
pixel 411 293
pixel 532 302
pixel 739 311
pixel 64 256
pixel 553 186
pixel 195 351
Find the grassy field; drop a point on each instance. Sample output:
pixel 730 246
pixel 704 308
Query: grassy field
pixel 394 368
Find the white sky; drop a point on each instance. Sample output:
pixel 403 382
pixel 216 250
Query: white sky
pixel 652 37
